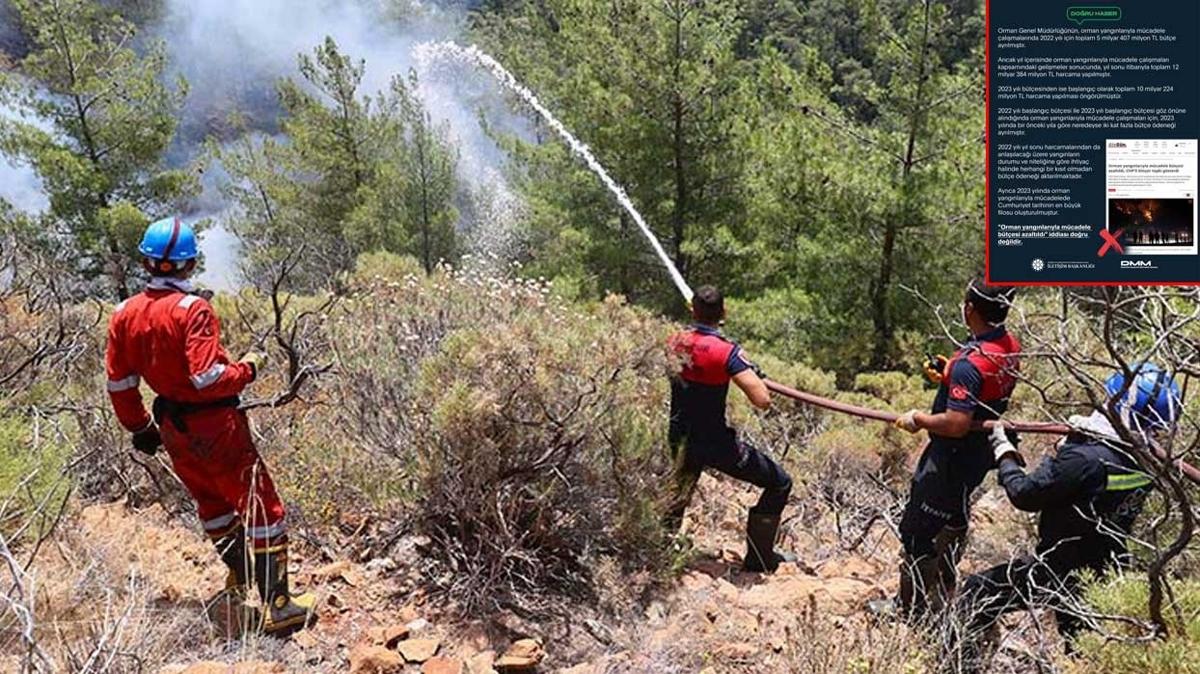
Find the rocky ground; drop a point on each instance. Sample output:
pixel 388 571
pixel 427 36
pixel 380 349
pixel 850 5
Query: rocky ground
pixel 373 616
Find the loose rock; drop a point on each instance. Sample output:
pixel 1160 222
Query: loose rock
pixel 442 665
pixel 418 650
pixel 481 663
pixel 371 659
pixel 522 655
pixel 390 636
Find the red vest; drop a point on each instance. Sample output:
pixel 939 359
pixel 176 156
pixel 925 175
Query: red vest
pixel 698 394
pixel 998 361
pixel 171 339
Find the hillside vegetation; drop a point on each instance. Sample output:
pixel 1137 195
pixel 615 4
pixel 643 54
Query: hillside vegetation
pixel 491 457
pixel 471 441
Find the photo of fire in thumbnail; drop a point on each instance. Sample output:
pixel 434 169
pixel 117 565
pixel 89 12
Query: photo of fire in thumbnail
pixel 1153 222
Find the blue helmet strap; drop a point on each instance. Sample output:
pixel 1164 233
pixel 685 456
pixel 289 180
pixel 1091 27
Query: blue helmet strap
pixel 165 263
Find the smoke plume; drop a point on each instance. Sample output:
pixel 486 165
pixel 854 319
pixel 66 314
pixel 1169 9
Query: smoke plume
pixel 233 54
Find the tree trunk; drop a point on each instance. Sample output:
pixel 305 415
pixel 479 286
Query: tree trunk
pixel 679 147
pixel 117 261
pixel 880 318
pixel 881 288
pixel 426 244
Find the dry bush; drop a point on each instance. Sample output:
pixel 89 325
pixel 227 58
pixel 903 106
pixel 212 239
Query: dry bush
pixel 523 433
pixel 542 453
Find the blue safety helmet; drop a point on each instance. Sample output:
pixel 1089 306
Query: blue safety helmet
pixel 169 240
pixel 1152 401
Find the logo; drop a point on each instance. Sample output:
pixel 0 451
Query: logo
pixel 1137 264
pixel 1110 241
pixel 1038 264
pixel 959 392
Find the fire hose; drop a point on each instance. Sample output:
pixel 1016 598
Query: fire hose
pixel 1190 471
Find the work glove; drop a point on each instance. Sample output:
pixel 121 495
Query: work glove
pixel 147 440
pixel 256 360
pixel 907 421
pixel 935 366
pixel 1002 446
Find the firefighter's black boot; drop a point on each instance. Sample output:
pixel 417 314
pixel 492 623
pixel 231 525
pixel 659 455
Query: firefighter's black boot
pixel 282 613
pixel 761 554
pixel 922 593
pixel 232 549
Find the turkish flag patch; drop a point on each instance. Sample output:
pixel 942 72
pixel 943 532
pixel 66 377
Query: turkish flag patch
pixel 959 392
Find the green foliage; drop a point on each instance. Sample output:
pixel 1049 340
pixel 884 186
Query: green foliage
pixel 123 224
pixel 409 206
pixel 846 35
pixel 761 167
pixel 1128 595
pixel 525 455
pixel 656 90
pixel 357 173
pixel 527 429
pixel 105 116
pixel 31 479
pixel 381 265
pixel 430 163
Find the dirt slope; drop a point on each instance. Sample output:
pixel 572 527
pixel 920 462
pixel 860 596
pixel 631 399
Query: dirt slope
pixel 144 582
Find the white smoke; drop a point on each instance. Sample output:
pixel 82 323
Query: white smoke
pixel 233 52
pixel 19 183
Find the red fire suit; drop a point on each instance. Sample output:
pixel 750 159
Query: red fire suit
pixel 171 338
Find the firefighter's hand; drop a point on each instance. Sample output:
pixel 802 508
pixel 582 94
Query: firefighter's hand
pixel 935 366
pixel 1003 447
pixel 147 440
pixel 256 360
pixel 907 421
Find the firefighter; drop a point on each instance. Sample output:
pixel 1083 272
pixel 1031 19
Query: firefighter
pixel 1088 495
pixel 700 437
pixel 169 336
pixel 975 384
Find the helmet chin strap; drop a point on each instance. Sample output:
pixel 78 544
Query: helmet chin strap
pixel 165 264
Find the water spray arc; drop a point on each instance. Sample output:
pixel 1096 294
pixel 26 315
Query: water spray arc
pixel 429 52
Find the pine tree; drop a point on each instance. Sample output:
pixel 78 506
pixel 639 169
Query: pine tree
pixel 100 119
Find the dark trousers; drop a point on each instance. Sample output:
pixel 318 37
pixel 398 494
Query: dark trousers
pixel 933 529
pixel 736 459
pixel 940 493
pixel 1019 585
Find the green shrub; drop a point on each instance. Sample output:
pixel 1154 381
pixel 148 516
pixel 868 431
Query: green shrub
pixel 1128 595
pixel 32 486
pixel 543 454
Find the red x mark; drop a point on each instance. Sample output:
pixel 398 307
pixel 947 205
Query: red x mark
pixel 1110 241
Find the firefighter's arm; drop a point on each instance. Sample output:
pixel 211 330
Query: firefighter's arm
pixel 962 396
pixel 123 383
pixel 209 368
pixel 745 375
pixel 949 424
pixel 1056 481
pixel 754 388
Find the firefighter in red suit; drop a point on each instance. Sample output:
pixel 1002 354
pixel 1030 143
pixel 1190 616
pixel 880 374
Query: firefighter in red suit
pixel 169 336
pixel 974 385
pixel 700 437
